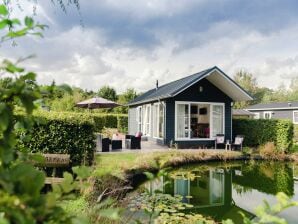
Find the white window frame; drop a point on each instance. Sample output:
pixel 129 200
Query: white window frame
pixel 267 112
pixel 139 120
pixel 294 111
pixel 145 119
pixel 210 121
pixel 157 120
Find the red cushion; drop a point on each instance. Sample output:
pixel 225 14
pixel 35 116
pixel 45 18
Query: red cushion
pixel 138 134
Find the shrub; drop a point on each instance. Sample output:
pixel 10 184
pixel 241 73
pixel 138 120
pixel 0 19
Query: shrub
pixel 122 123
pixel 99 120
pixel 268 150
pixel 296 133
pixel 65 135
pixel 259 132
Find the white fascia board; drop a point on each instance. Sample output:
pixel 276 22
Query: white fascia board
pixel 239 95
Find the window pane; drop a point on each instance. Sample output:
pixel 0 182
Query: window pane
pixel 217 120
pixel 155 120
pixel 161 121
pixel 182 121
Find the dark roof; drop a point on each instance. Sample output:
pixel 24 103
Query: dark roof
pixel 274 106
pixel 169 89
pixel 241 112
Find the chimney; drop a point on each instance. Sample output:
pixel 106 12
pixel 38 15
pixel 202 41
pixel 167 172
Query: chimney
pixel 156 84
pixel 289 104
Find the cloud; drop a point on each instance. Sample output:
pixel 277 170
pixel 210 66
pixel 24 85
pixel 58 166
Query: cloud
pixel 132 43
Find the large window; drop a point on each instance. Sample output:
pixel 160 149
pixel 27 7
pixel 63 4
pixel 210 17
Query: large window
pixel 267 115
pixel 158 120
pixel 183 121
pixel 198 120
pixel 295 117
pixel 139 118
pixel 146 119
pixel 217 120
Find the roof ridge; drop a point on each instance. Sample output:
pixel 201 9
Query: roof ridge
pixel 203 71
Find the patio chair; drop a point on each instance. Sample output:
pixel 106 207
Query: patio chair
pixel 116 144
pixel 105 144
pixel 238 142
pixel 219 140
pixel 132 142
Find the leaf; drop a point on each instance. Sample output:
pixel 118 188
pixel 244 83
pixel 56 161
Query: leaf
pixel 111 213
pixel 29 22
pixel 82 171
pixel 3 10
pixel 149 175
pixel 4 23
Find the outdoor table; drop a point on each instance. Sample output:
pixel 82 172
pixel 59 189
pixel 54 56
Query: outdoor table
pixel 228 145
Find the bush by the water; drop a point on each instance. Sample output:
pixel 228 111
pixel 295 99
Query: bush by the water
pixel 259 132
pixel 57 133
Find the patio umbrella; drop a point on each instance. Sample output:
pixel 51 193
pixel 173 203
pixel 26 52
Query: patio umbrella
pixel 97 102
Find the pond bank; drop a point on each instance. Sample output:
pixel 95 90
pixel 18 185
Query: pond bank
pixel 124 171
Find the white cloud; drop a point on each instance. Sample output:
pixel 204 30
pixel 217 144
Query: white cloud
pixel 84 56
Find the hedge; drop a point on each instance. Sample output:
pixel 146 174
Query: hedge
pixel 65 135
pixel 260 131
pixel 99 120
pixel 296 132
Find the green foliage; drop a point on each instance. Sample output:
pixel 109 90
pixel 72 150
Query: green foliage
pixel 295 132
pixel 99 120
pixel 122 123
pixel 108 92
pixel 270 178
pixel 62 134
pixel 125 98
pixel 261 131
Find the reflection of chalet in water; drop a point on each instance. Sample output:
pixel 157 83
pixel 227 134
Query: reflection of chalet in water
pixel 210 191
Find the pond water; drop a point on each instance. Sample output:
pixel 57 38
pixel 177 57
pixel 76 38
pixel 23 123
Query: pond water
pixel 222 190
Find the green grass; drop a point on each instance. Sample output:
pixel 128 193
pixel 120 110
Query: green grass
pixel 76 206
pixel 114 163
pixel 117 164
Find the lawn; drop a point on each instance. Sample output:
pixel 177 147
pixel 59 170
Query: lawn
pixel 118 164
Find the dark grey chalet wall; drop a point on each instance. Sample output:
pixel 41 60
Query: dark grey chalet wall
pixel 210 94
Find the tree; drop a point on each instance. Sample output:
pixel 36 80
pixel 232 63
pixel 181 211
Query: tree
pixel 124 98
pixel 108 92
pixel 247 82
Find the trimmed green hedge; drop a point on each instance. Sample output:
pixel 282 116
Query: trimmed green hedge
pixel 71 133
pixel 260 131
pixel 99 120
pixel 63 134
pixel 296 132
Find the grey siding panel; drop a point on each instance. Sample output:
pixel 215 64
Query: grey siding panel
pixel 210 94
pixel 132 121
pixel 277 114
pixel 283 114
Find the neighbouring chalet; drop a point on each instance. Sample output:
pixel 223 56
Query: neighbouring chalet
pixel 280 110
pixel 190 111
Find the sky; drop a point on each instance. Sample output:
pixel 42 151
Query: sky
pixel 131 44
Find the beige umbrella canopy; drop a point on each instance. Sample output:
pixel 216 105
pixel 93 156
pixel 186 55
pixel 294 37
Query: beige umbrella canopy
pixel 97 102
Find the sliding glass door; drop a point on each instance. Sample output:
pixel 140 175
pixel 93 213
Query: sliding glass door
pixel 217 120
pixel 195 120
pixel 182 120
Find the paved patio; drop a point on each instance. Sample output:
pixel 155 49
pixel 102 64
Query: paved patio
pixel 146 146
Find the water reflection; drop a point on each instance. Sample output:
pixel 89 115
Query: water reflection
pixel 212 189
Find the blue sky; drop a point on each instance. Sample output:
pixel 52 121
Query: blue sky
pixel 132 43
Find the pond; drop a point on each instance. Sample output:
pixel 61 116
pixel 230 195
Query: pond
pixel 222 190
